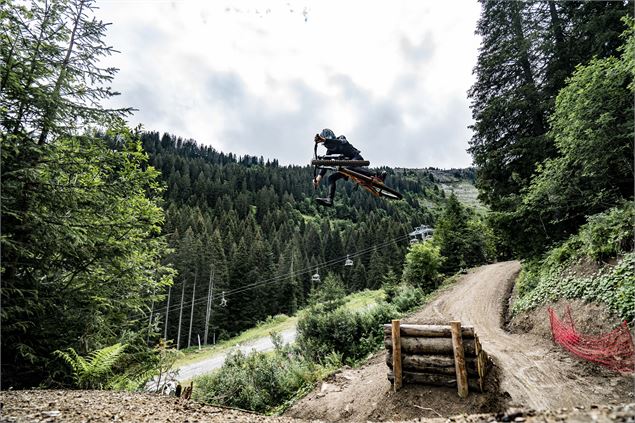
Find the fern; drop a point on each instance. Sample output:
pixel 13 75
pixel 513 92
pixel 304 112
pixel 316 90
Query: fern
pixel 94 371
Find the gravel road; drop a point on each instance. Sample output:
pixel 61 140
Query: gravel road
pixel 190 371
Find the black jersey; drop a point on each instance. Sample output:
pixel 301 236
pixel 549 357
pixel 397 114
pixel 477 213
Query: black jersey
pixel 340 145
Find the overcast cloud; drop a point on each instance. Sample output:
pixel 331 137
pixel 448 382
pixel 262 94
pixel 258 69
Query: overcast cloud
pixel 262 77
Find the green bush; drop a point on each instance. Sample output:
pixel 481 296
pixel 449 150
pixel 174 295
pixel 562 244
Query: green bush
pixel 422 266
pixel 605 236
pixel 260 382
pixel 352 334
pixel 405 297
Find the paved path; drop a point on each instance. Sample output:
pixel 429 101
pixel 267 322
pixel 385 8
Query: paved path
pixel 190 371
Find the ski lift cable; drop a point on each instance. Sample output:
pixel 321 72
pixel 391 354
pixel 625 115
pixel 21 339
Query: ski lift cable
pixel 297 273
pixel 324 265
pixel 309 269
pixel 284 277
pixel 287 276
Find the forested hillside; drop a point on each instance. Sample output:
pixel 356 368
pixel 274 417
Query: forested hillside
pixel 251 228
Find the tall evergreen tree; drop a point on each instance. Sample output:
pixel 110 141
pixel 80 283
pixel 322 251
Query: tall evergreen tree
pixel 528 50
pixel 81 255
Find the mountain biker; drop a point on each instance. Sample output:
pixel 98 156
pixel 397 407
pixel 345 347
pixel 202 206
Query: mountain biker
pixel 338 145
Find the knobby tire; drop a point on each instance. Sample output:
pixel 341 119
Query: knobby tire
pixel 349 163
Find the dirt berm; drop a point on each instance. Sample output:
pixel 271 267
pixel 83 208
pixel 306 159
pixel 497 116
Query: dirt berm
pixel 529 371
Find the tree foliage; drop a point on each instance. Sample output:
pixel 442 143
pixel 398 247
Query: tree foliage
pixel 463 240
pixel 81 216
pixel 528 51
pixel 422 265
pixel 592 126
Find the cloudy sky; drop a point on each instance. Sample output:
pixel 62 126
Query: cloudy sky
pixel 262 77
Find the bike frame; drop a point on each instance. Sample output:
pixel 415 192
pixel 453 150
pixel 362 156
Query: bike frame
pixel 360 179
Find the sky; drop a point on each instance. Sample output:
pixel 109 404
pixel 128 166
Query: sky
pixel 262 77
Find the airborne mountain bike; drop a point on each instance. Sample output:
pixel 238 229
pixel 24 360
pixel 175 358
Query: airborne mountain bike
pixel 350 169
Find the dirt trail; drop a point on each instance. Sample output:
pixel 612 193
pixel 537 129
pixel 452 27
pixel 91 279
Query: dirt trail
pixel 532 371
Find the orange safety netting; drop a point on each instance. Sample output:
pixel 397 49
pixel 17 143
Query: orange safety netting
pixel 614 350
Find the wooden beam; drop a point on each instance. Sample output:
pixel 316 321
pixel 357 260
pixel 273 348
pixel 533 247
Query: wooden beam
pixel 396 360
pixel 459 359
pixel 435 346
pixel 436 364
pixel 430 331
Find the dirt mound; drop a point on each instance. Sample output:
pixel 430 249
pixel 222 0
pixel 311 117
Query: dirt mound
pixel 365 393
pixel 590 319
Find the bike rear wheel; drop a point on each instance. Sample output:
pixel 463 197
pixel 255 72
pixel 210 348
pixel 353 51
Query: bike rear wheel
pixel 350 163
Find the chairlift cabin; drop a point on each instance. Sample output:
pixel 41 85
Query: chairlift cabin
pixel 420 234
pixel 315 277
pixel 348 261
pixel 223 300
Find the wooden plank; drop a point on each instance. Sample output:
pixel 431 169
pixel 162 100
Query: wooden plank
pixel 396 361
pixel 459 359
pixel 436 364
pixel 429 331
pixel 434 346
pixel 430 379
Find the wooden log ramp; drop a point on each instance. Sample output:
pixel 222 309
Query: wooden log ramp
pixel 436 355
pixel 429 331
pixel 436 364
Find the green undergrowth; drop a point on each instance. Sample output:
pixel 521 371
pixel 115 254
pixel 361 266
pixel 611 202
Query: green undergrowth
pixel 263 382
pixel 330 334
pixel 595 265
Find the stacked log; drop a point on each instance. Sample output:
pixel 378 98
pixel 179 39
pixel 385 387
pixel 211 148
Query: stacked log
pixel 428 355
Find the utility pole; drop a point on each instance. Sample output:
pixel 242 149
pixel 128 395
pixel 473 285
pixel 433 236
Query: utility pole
pixel 167 311
pixel 210 300
pixel 189 335
pixel 151 315
pixel 178 337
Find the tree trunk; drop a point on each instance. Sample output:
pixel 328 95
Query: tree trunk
pixel 52 110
